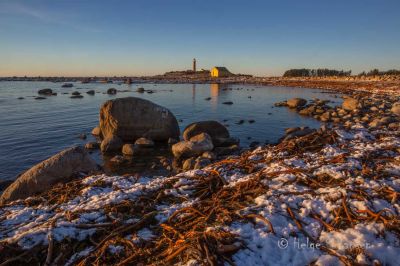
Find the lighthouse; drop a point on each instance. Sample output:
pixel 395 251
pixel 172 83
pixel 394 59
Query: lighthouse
pixel 194 64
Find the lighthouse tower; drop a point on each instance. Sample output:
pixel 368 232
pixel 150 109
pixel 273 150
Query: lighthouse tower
pixel 194 64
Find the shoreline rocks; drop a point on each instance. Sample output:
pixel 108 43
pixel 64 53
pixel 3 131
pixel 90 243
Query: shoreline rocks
pixel 218 133
pixel 296 102
pixel 132 118
pixel 57 169
pixel 111 144
pixel 196 146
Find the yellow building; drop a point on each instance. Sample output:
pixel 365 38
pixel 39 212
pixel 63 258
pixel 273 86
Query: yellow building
pixel 218 72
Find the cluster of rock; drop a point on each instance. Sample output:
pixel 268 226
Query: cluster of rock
pixel 129 126
pixel 372 111
pixel 202 143
pixel 133 126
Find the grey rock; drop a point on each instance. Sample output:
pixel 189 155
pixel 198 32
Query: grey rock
pixel 112 91
pixel 132 118
pixel 111 144
pixel 45 92
pixel 128 149
pixel 92 145
pixel 144 143
pixel 216 130
pixel 296 102
pixel 193 147
pixel 188 164
pixel 57 169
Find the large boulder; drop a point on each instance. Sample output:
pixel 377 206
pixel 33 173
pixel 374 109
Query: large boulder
pixel 111 144
pixel 196 146
pixel 296 102
pixel 57 169
pixel 132 118
pixel 350 104
pixel 217 131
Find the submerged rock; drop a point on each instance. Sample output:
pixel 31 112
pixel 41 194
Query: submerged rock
pixel 91 92
pixel 40 98
pixel 132 118
pixel 57 169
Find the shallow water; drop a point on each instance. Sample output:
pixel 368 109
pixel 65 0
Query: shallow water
pixel 33 130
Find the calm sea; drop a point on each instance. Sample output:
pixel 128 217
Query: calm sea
pixel 32 130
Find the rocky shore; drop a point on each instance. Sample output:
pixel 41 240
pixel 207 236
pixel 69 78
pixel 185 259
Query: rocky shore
pixel 374 84
pixel 325 197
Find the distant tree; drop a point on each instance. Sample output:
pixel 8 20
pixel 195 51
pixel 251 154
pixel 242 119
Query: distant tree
pixel 373 72
pixel 320 72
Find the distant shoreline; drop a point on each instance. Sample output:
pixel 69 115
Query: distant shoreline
pixel 374 84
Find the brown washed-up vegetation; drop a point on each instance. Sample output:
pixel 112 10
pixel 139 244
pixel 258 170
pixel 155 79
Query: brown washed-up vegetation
pixel 200 229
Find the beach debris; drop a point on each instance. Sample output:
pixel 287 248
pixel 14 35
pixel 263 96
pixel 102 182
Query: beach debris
pixel 334 188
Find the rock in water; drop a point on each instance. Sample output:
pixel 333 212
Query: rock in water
pixel 296 102
pixel 216 131
pixel 111 144
pixel 196 146
pixel 128 149
pixel 45 92
pixel 96 131
pixel 57 169
pixel 111 91
pixel 144 143
pixel 132 118
pixel 350 104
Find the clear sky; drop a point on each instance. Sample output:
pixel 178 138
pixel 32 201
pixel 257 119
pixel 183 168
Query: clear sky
pixel 78 37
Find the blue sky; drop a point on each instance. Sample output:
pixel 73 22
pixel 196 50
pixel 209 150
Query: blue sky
pixel 72 37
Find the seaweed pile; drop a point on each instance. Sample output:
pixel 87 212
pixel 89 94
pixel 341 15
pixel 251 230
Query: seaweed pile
pixel 327 198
